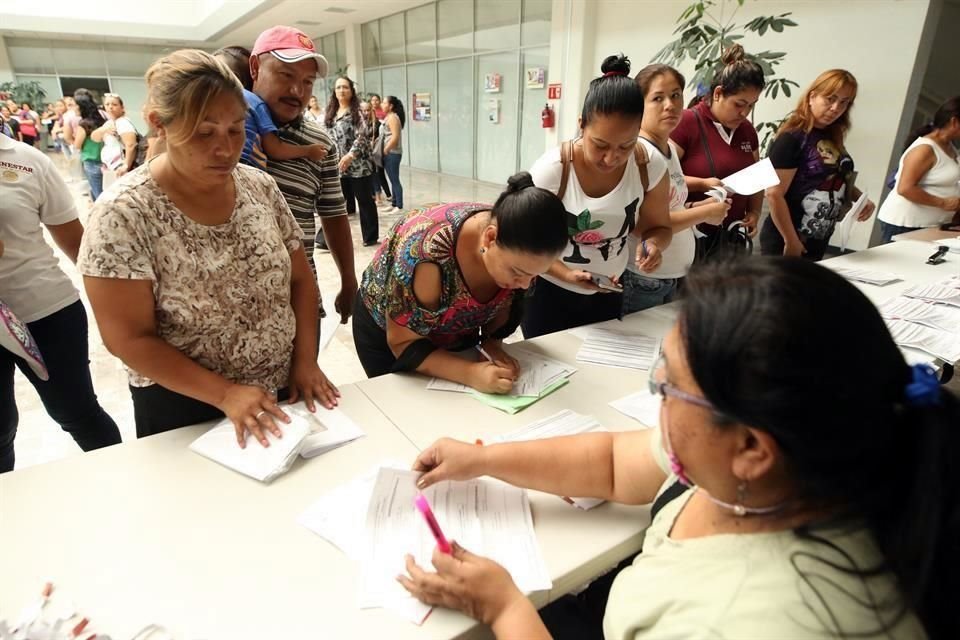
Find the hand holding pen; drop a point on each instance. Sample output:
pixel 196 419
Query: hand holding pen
pixel 490 376
pixel 648 256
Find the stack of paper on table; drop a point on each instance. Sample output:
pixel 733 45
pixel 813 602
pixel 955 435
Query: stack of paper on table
pixel 260 463
pixel 953 282
pixel 641 406
pixel 878 278
pixel 539 377
pixel 941 344
pixel 613 349
pixel 937 316
pixel 935 293
pixel 562 423
pixel 329 428
pixel 373 520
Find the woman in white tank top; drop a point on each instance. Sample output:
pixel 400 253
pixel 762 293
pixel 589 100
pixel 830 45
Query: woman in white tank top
pixel 927 188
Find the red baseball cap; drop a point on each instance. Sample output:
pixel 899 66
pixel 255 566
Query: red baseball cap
pixel 288 44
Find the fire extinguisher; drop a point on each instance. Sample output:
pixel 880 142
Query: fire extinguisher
pixel 546 117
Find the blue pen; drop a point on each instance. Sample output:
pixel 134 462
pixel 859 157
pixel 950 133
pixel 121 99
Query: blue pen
pixel 643 249
pixel 485 354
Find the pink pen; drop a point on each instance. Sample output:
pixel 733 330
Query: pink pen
pixel 424 507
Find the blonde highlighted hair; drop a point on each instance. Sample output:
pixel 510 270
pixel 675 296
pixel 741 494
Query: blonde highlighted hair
pixel 180 87
pixel 827 83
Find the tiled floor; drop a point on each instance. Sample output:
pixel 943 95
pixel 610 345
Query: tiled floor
pixel 39 439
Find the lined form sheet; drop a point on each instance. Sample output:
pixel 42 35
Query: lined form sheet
pixel 878 278
pixel 937 316
pixel 941 344
pixel 641 406
pixel 612 349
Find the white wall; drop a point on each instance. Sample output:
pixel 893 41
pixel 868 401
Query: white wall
pixel 877 40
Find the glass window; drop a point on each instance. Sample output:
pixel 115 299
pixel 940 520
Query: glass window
pixel 421 116
pixel 341 38
pixel 129 60
pixel 391 40
pixel 30 56
pixel 454 28
pixel 422 33
pixel 534 79
pixel 498 25
pixel 80 58
pixel 371 82
pixel 536 22
pixel 133 91
pixel 370 35
pixel 454 113
pixel 497 94
pixel 50 86
pixel 328 47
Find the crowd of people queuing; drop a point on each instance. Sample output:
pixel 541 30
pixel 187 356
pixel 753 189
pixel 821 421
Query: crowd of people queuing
pixel 779 478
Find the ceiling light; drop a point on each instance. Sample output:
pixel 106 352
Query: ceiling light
pixel 338 10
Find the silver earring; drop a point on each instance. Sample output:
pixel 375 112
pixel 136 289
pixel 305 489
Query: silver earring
pixel 483 250
pixel 738 509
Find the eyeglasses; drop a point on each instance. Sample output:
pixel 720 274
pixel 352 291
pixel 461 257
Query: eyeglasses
pixel 665 389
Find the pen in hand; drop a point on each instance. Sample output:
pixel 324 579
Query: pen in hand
pixel 486 355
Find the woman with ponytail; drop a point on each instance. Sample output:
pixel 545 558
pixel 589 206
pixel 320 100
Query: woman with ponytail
pixel 716 138
pixel 819 496
pixel 926 192
pixel 612 188
pixel 452 277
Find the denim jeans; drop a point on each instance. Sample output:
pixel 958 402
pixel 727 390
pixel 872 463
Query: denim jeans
pixel 887 231
pixel 94 177
pixel 391 166
pixel 641 292
pixel 68 395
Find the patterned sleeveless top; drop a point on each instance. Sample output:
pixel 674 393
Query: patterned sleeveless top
pixel 429 234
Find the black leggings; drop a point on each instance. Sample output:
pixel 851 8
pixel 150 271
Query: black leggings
pixel 361 189
pixel 550 308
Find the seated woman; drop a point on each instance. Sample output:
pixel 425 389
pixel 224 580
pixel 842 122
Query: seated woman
pixel 452 277
pixel 823 500
pixel 196 271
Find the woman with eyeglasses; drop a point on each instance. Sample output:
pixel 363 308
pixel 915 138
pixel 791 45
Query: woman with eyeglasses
pixel 815 170
pixel 820 493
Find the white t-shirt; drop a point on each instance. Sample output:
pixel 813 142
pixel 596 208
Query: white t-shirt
pixel 113 154
pixel 749 586
pixel 32 193
pixel 940 181
pixel 678 257
pixel 598 227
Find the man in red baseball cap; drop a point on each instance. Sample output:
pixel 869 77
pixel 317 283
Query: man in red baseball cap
pixel 284 64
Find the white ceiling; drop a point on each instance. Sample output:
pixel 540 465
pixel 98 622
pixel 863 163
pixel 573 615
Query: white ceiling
pixel 214 23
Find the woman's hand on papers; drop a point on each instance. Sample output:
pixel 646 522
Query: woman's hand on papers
pixel 252 409
pixel 477 586
pixel 309 383
pixel 868 208
pixel 491 377
pixel 501 357
pixel 449 459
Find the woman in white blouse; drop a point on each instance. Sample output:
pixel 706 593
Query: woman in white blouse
pixel 927 188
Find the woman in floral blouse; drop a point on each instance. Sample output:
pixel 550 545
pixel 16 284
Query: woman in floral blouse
pixel 451 277
pixel 353 136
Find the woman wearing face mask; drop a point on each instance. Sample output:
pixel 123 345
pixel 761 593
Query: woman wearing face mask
pixel 662 88
pixel 451 277
pixel 611 188
pixel 813 514
pixel 195 268
pixel 927 188
pixel 814 169
pixel 715 138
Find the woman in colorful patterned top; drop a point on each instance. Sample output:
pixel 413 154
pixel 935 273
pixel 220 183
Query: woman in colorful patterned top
pixel 352 135
pixel 452 277
pixel 814 169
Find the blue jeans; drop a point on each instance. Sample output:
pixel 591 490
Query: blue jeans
pixel 68 395
pixel 887 231
pixel 94 177
pixel 640 292
pixel 391 166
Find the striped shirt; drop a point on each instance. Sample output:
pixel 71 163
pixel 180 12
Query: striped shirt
pixel 310 188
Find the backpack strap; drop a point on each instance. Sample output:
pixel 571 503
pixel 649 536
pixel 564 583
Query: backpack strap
pixel 641 157
pixel 566 160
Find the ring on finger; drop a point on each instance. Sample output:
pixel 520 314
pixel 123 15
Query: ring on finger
pixel 257 417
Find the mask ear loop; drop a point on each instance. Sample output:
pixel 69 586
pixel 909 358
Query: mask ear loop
pixel 676 467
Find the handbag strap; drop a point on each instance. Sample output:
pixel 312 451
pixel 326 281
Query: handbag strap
pixel 642 159
pixel 706 146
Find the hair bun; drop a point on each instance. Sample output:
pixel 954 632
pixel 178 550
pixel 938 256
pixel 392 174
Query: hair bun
pixel 733 55
pixel 619 64
pixel 519 182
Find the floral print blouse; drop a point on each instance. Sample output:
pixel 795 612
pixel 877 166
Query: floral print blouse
pixel 353 139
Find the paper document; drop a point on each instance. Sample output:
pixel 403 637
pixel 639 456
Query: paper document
pixel 515 404
pixel 641 406
pixel 953 282
pixel 951 243
pixel 612 349
pixel 537 373
pixel 934 293
pixel 329 428
pixel 878 278
pixel 937 316
pixel 941 344
pixel 485 516
pixel 755 178
pixel 261 463
pixel 846 226
pixel 562 423
pixel 328 329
